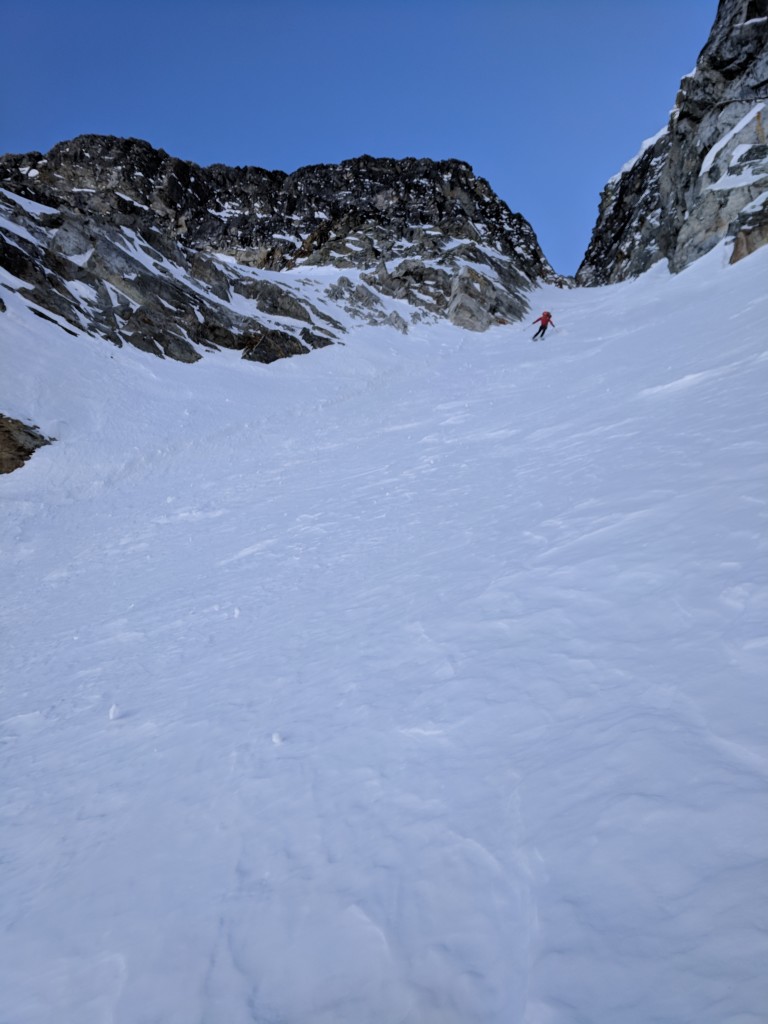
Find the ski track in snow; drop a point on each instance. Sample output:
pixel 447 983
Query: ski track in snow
pixel 414 681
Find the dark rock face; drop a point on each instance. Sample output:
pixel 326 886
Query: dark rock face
pixel 116 238
pixel 705 177
pixel 17 443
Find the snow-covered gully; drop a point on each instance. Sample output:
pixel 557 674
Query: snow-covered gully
pixel 418 680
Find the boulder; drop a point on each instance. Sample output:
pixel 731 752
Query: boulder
pixel 18 441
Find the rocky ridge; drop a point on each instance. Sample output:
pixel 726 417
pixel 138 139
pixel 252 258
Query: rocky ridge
pixel 121 240
pixel 704 177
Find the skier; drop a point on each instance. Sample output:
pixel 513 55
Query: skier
pixel 546 321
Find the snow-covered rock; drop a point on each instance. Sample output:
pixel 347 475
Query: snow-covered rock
pixel 119 239
pixel 705 176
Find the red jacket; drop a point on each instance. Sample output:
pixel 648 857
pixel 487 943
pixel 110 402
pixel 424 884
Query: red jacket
pixel 545 319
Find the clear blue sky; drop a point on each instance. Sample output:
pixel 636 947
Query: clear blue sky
pixel 545 98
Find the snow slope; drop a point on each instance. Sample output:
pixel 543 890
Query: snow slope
pixel 419 680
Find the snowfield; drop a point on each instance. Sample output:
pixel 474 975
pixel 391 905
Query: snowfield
pixel 417 680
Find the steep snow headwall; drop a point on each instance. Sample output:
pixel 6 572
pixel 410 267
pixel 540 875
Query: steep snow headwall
pixel 117 238
pixel 705 176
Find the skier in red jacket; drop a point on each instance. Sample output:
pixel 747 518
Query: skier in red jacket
pixel 546 321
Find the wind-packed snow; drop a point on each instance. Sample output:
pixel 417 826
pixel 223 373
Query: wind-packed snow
pixel 417 680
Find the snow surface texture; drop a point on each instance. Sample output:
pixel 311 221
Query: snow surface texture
pixel 414 681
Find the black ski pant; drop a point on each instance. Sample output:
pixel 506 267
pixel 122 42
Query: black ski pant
pixel 541 332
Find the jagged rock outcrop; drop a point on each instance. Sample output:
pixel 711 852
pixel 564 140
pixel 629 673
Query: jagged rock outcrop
pixel 704 178
pixel 117 238
pixel 18 441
